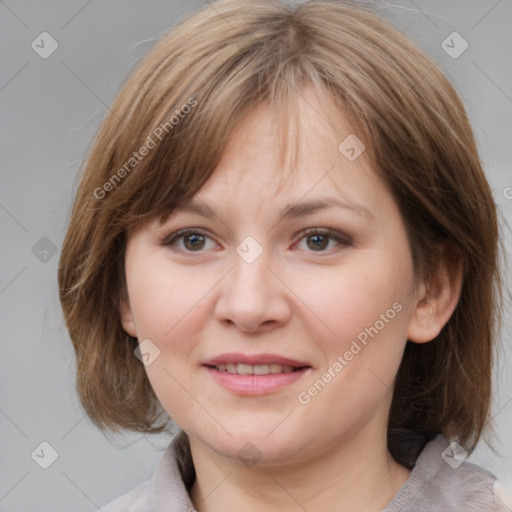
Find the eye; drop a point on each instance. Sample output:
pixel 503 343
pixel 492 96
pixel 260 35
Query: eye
pixel 192 240
pixel 188 240
pixel 317 240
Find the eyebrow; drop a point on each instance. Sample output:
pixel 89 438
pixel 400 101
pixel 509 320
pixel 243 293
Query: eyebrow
pixel 301 209
pixel 308 207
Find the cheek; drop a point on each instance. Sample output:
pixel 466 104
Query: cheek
pixel 166 302
pixel 166 305
pixel 364 296
pixel 366 314
pixel 365 310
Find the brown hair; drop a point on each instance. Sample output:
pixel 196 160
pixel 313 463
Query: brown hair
pixel 222 61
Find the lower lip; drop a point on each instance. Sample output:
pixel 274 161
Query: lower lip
pixel 255 384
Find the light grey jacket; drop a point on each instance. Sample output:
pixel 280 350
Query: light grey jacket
pixel 437 483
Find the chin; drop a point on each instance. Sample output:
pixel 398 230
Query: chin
pixel 254 446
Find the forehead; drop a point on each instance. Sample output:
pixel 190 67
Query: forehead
pixel 316 160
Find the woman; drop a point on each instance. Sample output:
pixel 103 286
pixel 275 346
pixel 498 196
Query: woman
pixel 284 241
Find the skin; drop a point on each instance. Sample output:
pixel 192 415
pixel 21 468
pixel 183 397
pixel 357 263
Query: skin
pixel 296 300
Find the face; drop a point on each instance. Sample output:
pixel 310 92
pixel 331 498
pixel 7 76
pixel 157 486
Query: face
pixel 278 315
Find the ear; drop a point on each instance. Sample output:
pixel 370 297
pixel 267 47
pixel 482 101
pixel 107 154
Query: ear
pixel 126 315
pixel 436 297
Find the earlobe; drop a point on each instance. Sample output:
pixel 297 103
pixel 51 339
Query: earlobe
pixel 126 315
pixel 436 298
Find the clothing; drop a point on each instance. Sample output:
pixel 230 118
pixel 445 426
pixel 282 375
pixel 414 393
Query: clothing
pixel 433 486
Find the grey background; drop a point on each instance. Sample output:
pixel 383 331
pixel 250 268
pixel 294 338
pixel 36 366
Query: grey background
pixel 50 110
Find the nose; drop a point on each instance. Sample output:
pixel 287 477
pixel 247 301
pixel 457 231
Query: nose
pixel 252 297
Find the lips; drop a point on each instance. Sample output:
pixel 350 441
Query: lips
pixel 257 369
pixel 260 364
pixel 251 375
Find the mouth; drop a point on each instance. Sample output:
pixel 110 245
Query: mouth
pixel 257 364
pixel 256 369
pixel 255 374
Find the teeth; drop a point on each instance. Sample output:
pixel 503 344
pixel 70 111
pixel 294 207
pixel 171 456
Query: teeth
pixel 257 369
pixel 245 369
pixel 275 368
pixel 261 369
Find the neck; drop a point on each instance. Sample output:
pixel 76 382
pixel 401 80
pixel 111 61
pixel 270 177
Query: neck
pixel 356 475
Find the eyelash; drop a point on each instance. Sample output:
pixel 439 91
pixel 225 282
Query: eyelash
pixel 342 240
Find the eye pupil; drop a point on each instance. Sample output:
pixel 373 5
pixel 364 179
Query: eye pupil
pixel 320 241
pixel 196 241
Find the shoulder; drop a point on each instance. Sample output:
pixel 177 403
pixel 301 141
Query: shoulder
pixel 443 480
pixel 467 487
pixel 137 500
pixel 166 487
